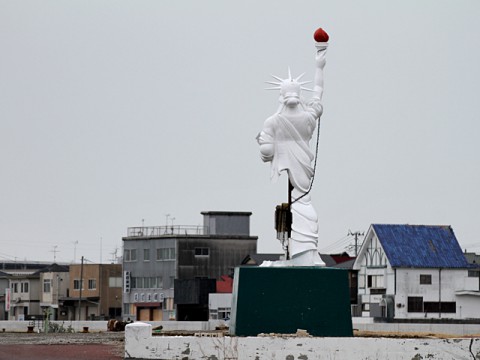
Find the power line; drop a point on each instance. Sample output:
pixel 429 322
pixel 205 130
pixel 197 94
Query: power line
pixel 335 244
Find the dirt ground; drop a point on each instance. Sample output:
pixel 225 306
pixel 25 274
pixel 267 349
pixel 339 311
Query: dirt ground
pixel 77 346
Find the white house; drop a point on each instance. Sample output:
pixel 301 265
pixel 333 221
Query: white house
pixel 24 294
pixel 415 271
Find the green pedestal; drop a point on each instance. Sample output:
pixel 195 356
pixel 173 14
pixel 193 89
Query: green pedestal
pixel 282 300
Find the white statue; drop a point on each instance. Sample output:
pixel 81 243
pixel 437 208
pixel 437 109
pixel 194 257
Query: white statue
pixel 285 142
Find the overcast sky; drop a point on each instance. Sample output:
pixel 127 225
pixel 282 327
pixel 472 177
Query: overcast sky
pixel 116 111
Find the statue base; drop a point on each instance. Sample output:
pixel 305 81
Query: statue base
pixel 284 300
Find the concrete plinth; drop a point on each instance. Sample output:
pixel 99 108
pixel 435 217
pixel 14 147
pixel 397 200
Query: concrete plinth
pixel 285 299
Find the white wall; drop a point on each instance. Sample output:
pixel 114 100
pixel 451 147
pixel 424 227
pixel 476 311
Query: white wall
pixel 216 301
pixel 468 306
pixel 444 285
pixel 140 344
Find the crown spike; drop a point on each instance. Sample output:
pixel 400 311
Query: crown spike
pixel 289 74
pixel 299 77
pixel 274 88
pixel 273 83
pixel 276 77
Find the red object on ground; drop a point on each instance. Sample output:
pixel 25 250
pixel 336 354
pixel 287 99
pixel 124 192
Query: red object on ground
pixel 320 35
pixel 60 352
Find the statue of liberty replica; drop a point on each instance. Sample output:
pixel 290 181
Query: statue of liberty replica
pixel 298 292
pixel 285 143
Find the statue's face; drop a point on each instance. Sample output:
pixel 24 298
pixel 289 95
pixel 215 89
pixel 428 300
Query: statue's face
pixel 290 91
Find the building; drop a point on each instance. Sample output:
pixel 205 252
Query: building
pixel 21 298
pixel 24 285
pixel 170 270
pixel 95 292
pixel 4 295
pixel 54 282
pixel 415 272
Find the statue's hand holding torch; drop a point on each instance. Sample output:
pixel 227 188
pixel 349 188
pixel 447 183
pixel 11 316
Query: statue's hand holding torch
pixel 321 43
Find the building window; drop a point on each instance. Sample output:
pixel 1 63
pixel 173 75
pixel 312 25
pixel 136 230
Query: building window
pixel 149 297
pixel 474 273
pixel 142 297
pixel 415 304
pixel 15 287
pixel 135 297
pixel 448 306
pixel 220 313
pixel 146 254
pixel 76 284
pixel 202 251
pixel 152 282
pixel 166 254
pixel 126 309
pixel 115 282
pixel 440 307
pixel 224 313
pixel 425 279
pixel 47 283
pixel 130 255
pixel 24 287
pixel 172 281
pixel 375 281
pixel 92 284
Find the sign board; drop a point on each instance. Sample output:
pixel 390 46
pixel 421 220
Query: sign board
pixel 126 282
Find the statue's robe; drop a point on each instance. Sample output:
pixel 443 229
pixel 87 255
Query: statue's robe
pixel 290 133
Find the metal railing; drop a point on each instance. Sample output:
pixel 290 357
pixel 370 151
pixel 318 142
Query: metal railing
pixel 182 230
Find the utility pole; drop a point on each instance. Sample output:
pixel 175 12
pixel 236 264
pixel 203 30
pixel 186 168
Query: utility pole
pixel 356 234
pixel 166 222
pixel 55 253
pixel 80 296
pixel 172 219
pixel 75 243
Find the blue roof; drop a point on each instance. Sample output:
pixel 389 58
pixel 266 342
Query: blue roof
pixel 421 246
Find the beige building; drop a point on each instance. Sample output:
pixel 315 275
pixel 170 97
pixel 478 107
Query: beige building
pixel 95 289
pixel 54 283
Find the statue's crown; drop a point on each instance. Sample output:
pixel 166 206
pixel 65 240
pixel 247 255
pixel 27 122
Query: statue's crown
pixel 288 85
